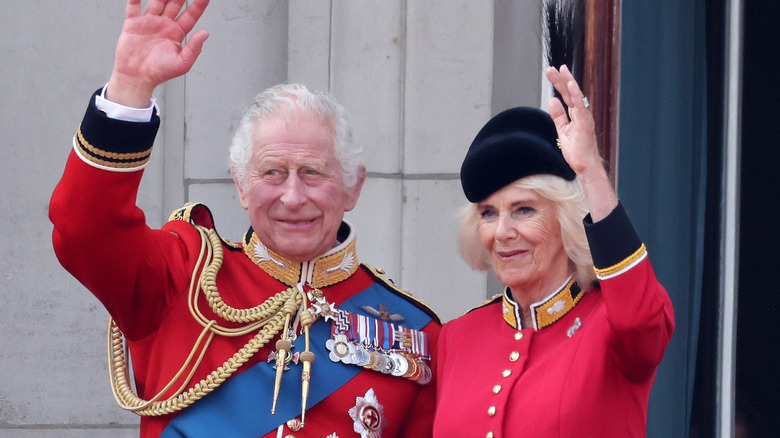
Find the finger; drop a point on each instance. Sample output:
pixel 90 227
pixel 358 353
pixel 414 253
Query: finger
pixel 558 81
pixel 133 8
pixel 565 81
pixel 172 8
pixel 194 46
pixel 552 74
pixel 576 94
pixel 192 14
pixel 558 115
pixel 580 114
pixel 154 7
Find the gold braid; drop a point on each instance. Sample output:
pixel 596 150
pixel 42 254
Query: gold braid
pixel 269 317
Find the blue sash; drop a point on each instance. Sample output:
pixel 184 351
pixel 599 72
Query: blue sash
pixel 241 407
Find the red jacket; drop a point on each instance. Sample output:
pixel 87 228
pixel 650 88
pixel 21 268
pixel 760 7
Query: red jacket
pixel 584 368
pixel 142 277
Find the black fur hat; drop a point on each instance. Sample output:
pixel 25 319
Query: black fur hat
pixel 515 143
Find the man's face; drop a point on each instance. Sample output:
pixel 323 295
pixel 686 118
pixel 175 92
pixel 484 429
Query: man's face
pixel 294 190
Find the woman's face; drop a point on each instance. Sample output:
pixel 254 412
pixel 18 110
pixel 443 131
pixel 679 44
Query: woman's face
pixel 521 232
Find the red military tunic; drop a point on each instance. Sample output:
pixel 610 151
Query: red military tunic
pixel 582 368
pixel 143 275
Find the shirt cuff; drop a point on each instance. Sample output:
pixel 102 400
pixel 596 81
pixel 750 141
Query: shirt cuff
pixel 125 113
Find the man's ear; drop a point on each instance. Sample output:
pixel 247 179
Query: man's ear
pixel 353 193
pixel 242 195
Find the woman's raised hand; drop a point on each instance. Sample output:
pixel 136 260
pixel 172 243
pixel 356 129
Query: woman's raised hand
pixel 577 136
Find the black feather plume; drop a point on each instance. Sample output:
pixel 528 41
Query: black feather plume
pixel 565 35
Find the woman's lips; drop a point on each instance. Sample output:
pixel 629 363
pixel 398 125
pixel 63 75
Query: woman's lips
pixel 510 254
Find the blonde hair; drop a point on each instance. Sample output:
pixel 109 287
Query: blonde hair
pixel 570 209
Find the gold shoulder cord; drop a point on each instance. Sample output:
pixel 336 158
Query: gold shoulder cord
pixel 269 317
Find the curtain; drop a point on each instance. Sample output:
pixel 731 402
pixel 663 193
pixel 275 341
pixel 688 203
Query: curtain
pixel 662 177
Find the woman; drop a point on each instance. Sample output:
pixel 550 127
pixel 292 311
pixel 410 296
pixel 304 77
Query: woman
pixel 570 349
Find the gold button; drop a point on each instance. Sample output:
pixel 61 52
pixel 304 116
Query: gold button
pixel 489 435
pixel 496 389
pixel 492 411
pixel 514 356
pixel 518 336
pixel 506 373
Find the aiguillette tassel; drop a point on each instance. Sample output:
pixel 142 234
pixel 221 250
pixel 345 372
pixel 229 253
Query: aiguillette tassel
pixel 283 346
pixel 307 357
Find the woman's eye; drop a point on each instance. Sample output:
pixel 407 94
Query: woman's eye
pixel 525 210
pixel 486 214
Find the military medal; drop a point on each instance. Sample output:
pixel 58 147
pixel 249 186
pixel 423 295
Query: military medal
pixel 412 369
pixel 290 357
pixel 340 349
pixel 401 365
pixel 426 376
pixel 378 345
pixel 368 416
pixel 362 356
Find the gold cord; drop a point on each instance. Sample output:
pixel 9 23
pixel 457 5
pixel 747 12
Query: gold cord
pixel 269 317
pixel 307 357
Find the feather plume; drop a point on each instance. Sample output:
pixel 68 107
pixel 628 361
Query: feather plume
pixel 565 35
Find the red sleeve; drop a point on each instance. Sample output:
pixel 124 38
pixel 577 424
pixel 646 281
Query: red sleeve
pixel 100 236
pixel 638 308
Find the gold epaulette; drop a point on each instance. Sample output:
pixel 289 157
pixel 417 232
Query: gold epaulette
pixel 197 213
pixel 379 275
pixel 494 299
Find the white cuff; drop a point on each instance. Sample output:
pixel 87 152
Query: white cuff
pixel 120 112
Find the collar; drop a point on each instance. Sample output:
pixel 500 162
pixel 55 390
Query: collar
pixel 546 312
pixel 334 266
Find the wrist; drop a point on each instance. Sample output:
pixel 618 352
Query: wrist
pixel 130 93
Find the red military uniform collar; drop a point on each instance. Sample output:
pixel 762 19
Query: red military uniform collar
pixel 333 267
pixel 545 312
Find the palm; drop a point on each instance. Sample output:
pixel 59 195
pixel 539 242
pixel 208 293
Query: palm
pixel 576 131
pixel 151 48
pixel 578 142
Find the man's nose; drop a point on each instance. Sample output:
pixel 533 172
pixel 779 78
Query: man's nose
pixel 293 191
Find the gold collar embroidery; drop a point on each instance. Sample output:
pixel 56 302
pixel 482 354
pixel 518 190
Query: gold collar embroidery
pixel 335 266
pixel 546 312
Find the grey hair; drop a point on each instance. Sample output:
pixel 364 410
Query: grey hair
pixel 290 99
pixel 570 209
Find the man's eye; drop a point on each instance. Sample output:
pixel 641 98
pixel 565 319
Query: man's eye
pixel 274 176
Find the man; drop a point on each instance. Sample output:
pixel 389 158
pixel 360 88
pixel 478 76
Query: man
pixel 284 334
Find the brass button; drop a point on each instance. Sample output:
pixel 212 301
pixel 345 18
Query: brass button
pixel 496 389
pixel 489 435
pixel 514 356
pixel 492 411
pixel 506 373
pixel 518 336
